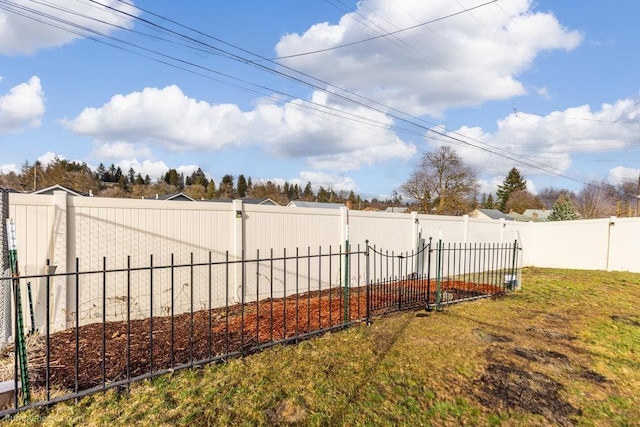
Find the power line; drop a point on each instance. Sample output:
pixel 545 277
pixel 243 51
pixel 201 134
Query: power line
pixel 364 102
pixel 385 35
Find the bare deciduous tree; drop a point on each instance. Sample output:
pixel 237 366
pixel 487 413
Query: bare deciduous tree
pixel 521 200
pixel 443 182
pixel 596 200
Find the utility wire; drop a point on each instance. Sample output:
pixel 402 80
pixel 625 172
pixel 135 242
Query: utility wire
pixel 383 109
pixel 422 24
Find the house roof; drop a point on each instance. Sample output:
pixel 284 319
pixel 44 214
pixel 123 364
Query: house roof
pixel 174 196
pixel 303 204
pixel 250 201
pixel 57 187
pixel 397 209
pixel 539 214
pixel 494 214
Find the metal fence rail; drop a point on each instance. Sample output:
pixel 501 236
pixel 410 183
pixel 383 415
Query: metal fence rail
pixel 138 322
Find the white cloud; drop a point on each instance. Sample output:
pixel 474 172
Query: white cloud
pixel 11 167
pixel 326 134
pixel 621 174
pixel 20 34
pixel 23 105
pixel 155 170
pixel 49 157
pixel 460 61
pixel 320 179
pixel 119 150
pixel 549 142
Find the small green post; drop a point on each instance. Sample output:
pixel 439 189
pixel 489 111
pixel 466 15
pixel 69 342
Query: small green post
pixel 20 341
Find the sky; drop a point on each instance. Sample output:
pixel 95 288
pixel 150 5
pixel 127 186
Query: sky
pixel 343 94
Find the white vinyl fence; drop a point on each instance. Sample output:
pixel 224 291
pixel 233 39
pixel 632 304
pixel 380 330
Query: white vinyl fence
pixel 108 233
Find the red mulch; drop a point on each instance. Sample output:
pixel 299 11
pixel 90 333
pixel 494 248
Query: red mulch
pixel 187 338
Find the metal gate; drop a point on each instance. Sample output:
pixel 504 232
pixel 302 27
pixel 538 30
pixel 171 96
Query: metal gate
pixel 434 275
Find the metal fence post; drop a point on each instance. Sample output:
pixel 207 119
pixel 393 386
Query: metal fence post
pixel 367 284
pixel 438 275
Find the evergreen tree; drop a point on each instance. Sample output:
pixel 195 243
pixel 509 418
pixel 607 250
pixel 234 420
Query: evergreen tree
pixel 211 190
pixel 563 210
pixel 487 202
pixel 100 172
pixel 296 192
pixel 513 182
pixel 147 180
pixel 131 175
pixel 172 177
pixel 241 186
pixel 324 196
pixel 197 178
pixel 308 192
pixel 139 180
pixel 226 190
pixel 117 175
pixel 109 176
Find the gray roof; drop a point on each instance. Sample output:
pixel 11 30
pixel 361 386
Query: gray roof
pixel 249 201
pixel 303 204
pixel 397 209
pixel 174 196
pixel 495 214
pixel 537 213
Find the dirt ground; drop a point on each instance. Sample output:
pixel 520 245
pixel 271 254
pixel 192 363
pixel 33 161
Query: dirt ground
pixel 144 346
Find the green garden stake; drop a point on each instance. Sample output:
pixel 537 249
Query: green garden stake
pixel 20 340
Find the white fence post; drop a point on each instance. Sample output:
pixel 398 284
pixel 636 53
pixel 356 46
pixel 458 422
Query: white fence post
pixel 465 231
pixel 5 285
pixel 611 223
pixel 62 305
pixel 415 230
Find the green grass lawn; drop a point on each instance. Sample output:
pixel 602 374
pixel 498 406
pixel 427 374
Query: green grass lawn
pixel 565 350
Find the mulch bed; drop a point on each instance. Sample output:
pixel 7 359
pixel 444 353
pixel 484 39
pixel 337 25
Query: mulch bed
pixel 144 346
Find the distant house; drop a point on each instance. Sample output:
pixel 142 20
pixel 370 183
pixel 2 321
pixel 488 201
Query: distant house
pixel 267 202
pixel 490 214
pixel 181 197
pixel 57 187
pixel 302 204
pixel 397 209
pixel 537 214
pixel 264 202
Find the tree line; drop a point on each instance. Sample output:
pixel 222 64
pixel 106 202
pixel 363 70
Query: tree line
pixel 112 181
pixel 443 184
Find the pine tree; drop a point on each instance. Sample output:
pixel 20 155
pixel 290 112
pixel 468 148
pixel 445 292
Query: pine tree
pixel 487 201
pixel 308 192
pixel 563 210
pixel 513 182
pixel 131 176
pixel 211 190
pixel 241 186
pixel 172 177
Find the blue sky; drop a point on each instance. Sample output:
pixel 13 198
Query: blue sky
pixel 343 94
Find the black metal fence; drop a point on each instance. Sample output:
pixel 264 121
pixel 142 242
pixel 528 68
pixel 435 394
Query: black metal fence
pixel 132 323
